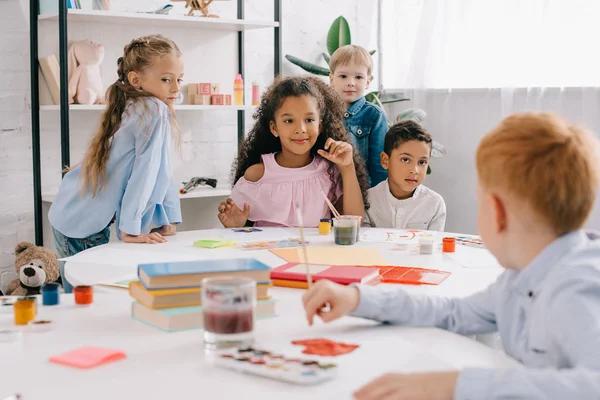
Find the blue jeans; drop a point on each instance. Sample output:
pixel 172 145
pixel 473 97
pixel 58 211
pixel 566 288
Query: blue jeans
pixel 66 247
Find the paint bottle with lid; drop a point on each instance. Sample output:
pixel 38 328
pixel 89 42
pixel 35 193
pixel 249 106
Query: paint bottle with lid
pixel 238 90
pixel 255 93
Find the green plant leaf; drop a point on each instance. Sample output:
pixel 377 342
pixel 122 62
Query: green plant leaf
pixel 370 97
pixel 338 35
pixel 393 101
pixel 428 170
pixel 308 67
pixel 413 114
pixel 437 150
pixel 327 58
pixel 372 52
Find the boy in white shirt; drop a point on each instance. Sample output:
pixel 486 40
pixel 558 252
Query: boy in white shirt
pixel 402 201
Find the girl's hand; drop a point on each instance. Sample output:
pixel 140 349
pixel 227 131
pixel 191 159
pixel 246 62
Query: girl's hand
pixel 231 216
pixel 166 230
pixel 152 238
pixel 339 153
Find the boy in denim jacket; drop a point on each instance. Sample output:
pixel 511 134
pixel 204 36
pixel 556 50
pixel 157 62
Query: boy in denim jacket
pixel 351 68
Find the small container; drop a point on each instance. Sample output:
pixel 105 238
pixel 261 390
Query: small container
pixel 25 310
pixel 358 223
pixel 50 295
pixel 238 90
pixel 448 245
pixel 255 93
pixel 229 305
pixel 83 295
pixel 345 231
pixel 425 246
pixel 325 226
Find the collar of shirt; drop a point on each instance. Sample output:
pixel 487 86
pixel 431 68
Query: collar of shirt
pixel 394 201
pixel 529 280
pixel 356 106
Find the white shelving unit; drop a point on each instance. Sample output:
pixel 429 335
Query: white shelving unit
pixel 98 19
pixel 180 107
pixel 160 20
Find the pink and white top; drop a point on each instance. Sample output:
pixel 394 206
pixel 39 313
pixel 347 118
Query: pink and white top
pixel 273 198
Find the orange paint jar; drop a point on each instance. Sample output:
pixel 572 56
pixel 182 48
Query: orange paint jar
pixel 448 245
pixel 24 311
pixel 83 295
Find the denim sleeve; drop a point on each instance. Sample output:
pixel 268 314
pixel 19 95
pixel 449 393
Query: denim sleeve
pixel 380 127
pixel 149 139
pixel 467 316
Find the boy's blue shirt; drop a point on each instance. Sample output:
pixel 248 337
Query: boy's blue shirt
pixel 367 125
pixel 548 317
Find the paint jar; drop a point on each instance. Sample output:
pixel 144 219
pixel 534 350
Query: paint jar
pixel 325 226
pixel 50 295
pixel 255 93
pixel 425 246
pixel 238 90
pixel 84 295
pixel 448 245
pixel 229 304
pixel 345 231
pixel 25 310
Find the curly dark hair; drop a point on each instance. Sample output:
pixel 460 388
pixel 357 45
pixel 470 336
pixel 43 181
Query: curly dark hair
pixel 260 140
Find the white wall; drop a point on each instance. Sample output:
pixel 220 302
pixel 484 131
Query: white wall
pixel 460 118
pixel 209 138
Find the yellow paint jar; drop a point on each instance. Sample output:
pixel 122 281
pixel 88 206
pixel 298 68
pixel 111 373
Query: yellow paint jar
pixel 24 311
pixel 325 226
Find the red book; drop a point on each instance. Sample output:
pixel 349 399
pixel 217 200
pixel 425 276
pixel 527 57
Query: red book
pixel 344 275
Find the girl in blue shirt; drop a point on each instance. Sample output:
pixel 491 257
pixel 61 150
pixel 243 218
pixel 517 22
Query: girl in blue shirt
pixel 125 175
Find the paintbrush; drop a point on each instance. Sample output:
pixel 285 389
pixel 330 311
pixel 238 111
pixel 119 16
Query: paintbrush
pixel 303 244
pixel 335 213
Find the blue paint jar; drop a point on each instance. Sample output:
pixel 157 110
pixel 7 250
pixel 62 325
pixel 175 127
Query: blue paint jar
pixel 50 295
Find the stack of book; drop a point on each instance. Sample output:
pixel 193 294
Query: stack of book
pixel 168 295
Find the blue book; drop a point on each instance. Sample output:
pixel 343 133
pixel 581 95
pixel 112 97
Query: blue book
pixel 189 274
pixel 185 318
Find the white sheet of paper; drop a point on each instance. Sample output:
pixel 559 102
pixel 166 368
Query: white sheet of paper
pixel 126 257
pixel 472 257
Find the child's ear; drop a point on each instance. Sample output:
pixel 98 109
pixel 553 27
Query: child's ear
pixel 273 128
pixel 385 160
pixel 498 212
pixel 369 79
pixel 331 79
pixel 134 79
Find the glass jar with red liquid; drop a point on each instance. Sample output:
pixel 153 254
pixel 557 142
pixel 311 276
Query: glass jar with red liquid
pixel 228 306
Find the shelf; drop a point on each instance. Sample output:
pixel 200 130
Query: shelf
pixel 200 192
pixel 156 20
pixel 181 107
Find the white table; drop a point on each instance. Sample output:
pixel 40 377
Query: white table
pixel 161 365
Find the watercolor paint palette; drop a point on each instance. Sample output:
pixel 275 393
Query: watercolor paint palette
pixel 276 366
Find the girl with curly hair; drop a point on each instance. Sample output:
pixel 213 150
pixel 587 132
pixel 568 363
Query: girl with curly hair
pixel 297 148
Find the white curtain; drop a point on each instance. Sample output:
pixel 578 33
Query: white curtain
pixel 490 43
pixel 469 63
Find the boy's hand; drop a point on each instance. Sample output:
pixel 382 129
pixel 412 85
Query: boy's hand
pixel 339 153
pixel 151 238
pixel 231 216
pixel 431 386
pixel 341 300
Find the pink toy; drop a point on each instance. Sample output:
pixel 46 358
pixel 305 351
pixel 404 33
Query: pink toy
pixel 85 76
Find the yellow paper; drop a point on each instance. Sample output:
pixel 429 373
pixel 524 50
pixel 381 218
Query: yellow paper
pixel 333 256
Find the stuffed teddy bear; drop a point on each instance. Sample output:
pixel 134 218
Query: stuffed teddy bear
pixel 85 76
pixel 35 265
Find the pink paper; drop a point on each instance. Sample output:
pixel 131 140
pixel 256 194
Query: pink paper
pixel 88 357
